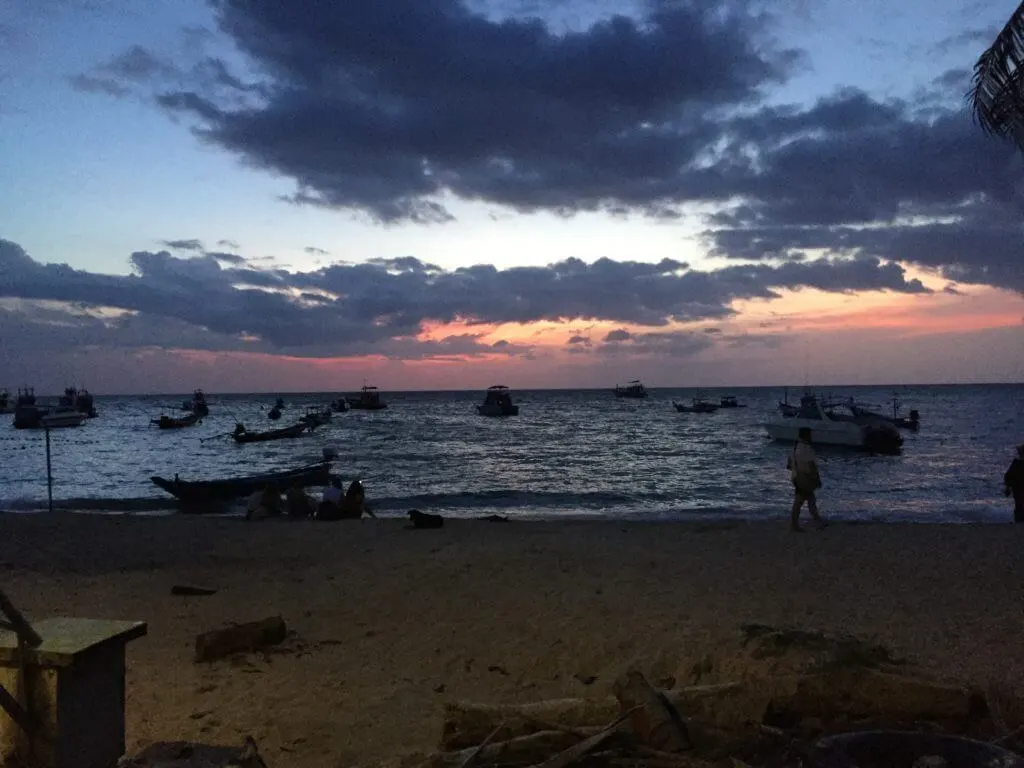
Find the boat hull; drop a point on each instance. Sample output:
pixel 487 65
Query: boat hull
pixel 59 420
pixel 166 422
pixel 273 434
pixel 876 438
pixel 355 405
pixel 205 491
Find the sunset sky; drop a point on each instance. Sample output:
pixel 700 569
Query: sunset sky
pixel 256 195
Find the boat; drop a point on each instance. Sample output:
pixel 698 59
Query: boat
pixel 316 417
pixel 41 417
pixel 62 418
pixel 830 426
pixel 339 406
pixel 242 435
pixel 911 421
pixel 197 404
pixel 5 401
pixel 498 402
pixel 697 405
pixel 279 403
pixel 78 400
pixel 26 396
pixel 28 415
pixel 632 389
pixel 274 414
pixel 198 491
pixel 169 422
pixel 368 399
pixel 730 401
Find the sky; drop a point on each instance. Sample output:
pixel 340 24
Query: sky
pixel 250 195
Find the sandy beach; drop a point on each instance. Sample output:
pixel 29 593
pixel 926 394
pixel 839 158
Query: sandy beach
pixel 391 622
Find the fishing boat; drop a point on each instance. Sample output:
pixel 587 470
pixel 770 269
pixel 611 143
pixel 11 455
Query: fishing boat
pixel 829 425
pixel 169 422
pixel 368 399
pixel 697 405
pixel 498 402
pixel 27 414
pixel 5 402
pixel 339 406
pixel 730 401
pixel 279 403
pixel 632 389
pixel 274 414
pixel 197 404
pixel 79 400
pixel 316 417
pixel 225 489
pixel 242 435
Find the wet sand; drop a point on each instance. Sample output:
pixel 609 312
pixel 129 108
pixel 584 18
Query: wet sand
pixel 390 622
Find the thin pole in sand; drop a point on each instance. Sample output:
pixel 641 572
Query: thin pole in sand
pixel 49 470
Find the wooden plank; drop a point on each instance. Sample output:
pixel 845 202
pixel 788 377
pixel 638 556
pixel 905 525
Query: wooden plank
pixel 64 640
pixel 10 705
pixel 19 624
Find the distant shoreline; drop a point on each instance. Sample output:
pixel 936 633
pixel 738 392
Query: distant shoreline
pixel 610 387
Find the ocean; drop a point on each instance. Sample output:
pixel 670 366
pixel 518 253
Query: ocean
pixel 569 454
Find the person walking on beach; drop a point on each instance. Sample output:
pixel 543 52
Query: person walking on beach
pixel 1013 481
pixel 803 471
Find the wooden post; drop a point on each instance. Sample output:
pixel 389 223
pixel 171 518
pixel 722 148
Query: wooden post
pixel 49 470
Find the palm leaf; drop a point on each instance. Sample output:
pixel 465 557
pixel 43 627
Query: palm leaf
pixel 996 97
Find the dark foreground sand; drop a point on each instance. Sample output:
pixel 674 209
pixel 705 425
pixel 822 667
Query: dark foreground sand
pixel 392 622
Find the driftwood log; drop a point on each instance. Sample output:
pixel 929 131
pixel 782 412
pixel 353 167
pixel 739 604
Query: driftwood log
pixel 520 751
pixel 240 638
pixel 184 754
pixel 734 707
pixel 655 720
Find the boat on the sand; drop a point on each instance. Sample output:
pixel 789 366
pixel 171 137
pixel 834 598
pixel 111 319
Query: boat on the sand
pixel 242 435
pixel 169 422
pixel 225 489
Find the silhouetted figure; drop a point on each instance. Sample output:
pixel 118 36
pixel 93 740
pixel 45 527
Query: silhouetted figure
pixel 300 507
pixel 330 503
pixel 1013 481
pixel 803 471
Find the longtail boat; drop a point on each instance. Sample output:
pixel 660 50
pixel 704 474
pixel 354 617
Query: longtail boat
pixel 198 491
pixel 244 436
pixel 169 422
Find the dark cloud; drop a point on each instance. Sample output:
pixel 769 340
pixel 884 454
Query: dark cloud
pixel 227 258
pixel 385 106
pixel 619 334
pixel 854 177
pixel 228 244
pixel 580 340
pixel 183 245
pixel 343 308
pixel 312 250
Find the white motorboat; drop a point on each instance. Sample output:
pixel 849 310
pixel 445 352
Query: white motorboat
pixel 62 418
pixel 830 426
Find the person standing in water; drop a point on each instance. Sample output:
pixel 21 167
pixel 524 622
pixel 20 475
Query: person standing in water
pixel 803 472
pixel 1013 482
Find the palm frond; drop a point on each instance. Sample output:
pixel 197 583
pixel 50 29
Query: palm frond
pixel 996 97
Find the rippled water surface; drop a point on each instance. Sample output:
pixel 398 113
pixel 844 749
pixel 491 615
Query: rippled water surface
pixel 576 453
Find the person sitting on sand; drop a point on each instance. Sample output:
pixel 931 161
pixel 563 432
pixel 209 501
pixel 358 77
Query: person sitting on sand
pixel 264 503
pixel 353 506
pixel 803 471
pixel 299 505
pixel 1013 481
pixel 330 503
